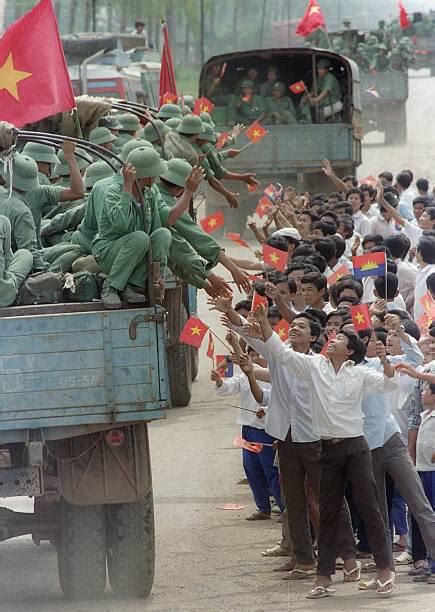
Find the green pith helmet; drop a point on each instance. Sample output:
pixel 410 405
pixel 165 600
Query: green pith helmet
pixel 152 134
pixel 188 101
pixel 147 163
pixel 191 124
pixel 62 168
pixel 206 118
pixel 381 47
pixel 247 84
pixel 41 152
pixel 24 173
pixel 177 172
pixel 372 39
pixel 96 172
pixel 101 135
pixel 323 63
pixel 169 111
pixel 173 123
pixel 129 122
pixel 208 133
pixel 278 86
pixel 110 121
pixel 131 145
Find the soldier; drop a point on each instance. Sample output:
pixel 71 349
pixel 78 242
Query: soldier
pixel 169 111
pixel 128 228
pixel 280 108
pixel 14 267
pixel 213 86
pixel 405 51
pixel 187 104
pixel 130 124
pixel 173 123
pixel 383 34
pixel 155 134
pixel 248 106
pixel 371 47
pixel 103 137
pixel 328 100
pixel 111 122
pixel 381 62
pixel 360 57
pixel 272 76
pixel 396 60
pixel 45 158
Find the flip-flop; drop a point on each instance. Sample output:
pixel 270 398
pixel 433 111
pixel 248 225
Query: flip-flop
pixel 320 591
pixel 381 585
pixel 367 585
pixel 353 575
pixel 287 567
pixel 298 574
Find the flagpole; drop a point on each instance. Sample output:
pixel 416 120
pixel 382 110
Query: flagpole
pixel 221 341
pixel 77 125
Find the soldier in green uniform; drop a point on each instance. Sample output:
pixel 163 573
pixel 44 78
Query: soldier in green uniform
pixel 405 51
pixel 213 86
pixel 173 123
pixel 371 47
pixel 128 227
pixel 329 96
pixel 155 133
pixel 361 58
pixel 103 137
pixel 272 77
pixel 131 145
pixel 45 158
pixel 130 124
pixel 248 106
pixel 111 122
pixel 14 267
pixel 381 61
pixel 280 108
pixel 169 111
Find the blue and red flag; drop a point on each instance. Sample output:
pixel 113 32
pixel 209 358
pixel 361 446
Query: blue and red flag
pixel 370 264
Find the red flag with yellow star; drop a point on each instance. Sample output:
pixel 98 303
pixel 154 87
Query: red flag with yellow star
pixel 222 140
pixel 282 329
pixel 193 332
pixel 34 79
pixel 255 132
pixel 275 258
pixel 312 19
pixel 202 105
pixel 169 98
pixel 213 222
pixel 258 299
pixel 339 273
pixel 427 302
pixel 263 206
pixel 236 238
pixel 298 87
pixel 360 317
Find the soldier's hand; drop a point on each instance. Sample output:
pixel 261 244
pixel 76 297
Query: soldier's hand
pixel 220 285
pixel 232 200
pixel 129 176
pixel 68 148
pixel 250 179
pixel 232 153
pixel 194 179
pixel 241 280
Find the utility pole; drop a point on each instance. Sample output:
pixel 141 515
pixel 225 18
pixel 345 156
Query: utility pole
pixel 94 15
pixel 201 38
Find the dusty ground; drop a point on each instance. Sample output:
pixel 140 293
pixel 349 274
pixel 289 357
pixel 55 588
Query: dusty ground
pixel 208 558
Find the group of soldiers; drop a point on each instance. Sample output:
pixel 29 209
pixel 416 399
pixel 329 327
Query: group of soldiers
pixel 269 100
pixel 70 211
pixel 377 50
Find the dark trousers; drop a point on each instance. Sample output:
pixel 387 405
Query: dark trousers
pixel 340 463
pixel 419 550
pixel 300 471
pixel 262 475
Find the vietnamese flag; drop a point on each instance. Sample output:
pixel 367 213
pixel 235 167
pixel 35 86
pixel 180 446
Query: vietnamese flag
pixel 193 332
pixel 311 20
pixel 167 72
pixel 298 87
pixel 370 264
pixel 427 302
pixel 275 258
pixel 236 238
pixel 403 17
pixel 282 328
pixel 169 98
pixel 255 132
pixel 263 206
pixel 339 273
pixel 258 299
pixel 34 79
pixel 213 222
pixel 222 140
pixel 202 105
pixel 210 347
pixel 360 317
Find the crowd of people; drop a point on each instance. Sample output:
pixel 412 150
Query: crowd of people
pixel 348 407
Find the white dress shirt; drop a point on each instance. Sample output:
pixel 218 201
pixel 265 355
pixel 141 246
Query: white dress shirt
pixel 362 225
pixel 407 274
pixel 335 397
pixel 239 384
pixel 383 227
pixel 421 289
pixel 426 442
pixel 414 232
pixel 288 405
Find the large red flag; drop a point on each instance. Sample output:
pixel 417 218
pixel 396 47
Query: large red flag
pixel 167 72
pixel 34 79
pixel 313 18
pixel 403 17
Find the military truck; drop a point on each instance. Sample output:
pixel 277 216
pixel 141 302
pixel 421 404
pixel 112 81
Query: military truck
pixel 291 154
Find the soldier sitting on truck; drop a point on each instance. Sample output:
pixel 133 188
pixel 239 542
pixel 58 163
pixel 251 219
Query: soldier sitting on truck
pixel 248 106
pixel 280 108
pixel 381 61
pixel 329 98
pixel 272 76
pixel 14 268
pixel 130 124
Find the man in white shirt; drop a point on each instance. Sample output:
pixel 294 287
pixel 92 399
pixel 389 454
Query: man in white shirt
pixel 383 223
pixel 361 223
pixel 426 260
pixel 398 246
pixel 407 195
pixel 336 390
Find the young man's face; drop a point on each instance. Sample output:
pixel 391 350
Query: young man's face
pixel 418 210
pixel 385 215
pixel 284 290
pixel 304 223
pixel 368 245
pixel 316 233
pixel 428 398
pixel 371 346
pixel 311 294
pixel 393 343
pixel 355 201
pixel 333 324
pixel 296 275
pixel 366 198
pixel 300 331
pixel 425 222
pixel 272 76
pixel 273 320
pixel 339 347
pixel 256 358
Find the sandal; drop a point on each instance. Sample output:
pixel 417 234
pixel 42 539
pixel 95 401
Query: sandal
pixel 298 574
pixel 382 585
pixel 369 568
pixel 353 575
pixel 367 585
pixel 320 591
pixel 276 551
pixel 287 567
pixel 420 569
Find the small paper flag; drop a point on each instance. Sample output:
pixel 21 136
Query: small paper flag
pixel 213 222
pixel 202 105
pixel 224 367
pixel 193 332
pixel 275 258
pixel 282 329
pixel 258 299
pixel 236 238
pixel 255 132
pixel 210 347
pixel 360 317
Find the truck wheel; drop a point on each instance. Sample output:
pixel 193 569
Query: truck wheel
pixel 131 547
pixel 180 369
pixel 81 551
pixel 194 362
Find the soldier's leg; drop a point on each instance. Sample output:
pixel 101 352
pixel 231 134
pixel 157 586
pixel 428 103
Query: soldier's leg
pixel 124 260
pixel 19 267
pixel 160 245
pixel 62 256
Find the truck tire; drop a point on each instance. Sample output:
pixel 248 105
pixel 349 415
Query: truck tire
pixel 81 551
pixel 180 369
pixel 194 362
pixel 131 547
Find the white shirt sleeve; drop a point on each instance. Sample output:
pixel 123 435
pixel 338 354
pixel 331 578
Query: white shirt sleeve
pixel 300 364
pixel 231 386
pixel 377 382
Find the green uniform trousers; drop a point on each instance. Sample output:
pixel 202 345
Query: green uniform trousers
pixel 186 263
pixel 125 260
pixel 61 257
pixel 14 273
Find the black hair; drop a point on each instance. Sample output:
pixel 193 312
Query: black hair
pixel 344 314
pixel 387 176
pixel 381 334
pixel 400 313
pixel 340 245
pixel 392 286
pixel 404 179
pixel 430 283
pixel 391 266
pixel 320 315
pixel 243 305
pixel 330 213
pixel 347 222
pixel 351 178
pixel 398 245
pixel 345 207
pixel 376 238
pixel 273 311
pixel 408 171
pixel 411 328
pixel 316 279
pixel 260 288
pixel 350 284
pixel 369 188
pixel 422 184
pixel 327 229
pixel 430 210
pixel 354 190
pixel 292 287
pixel 313 216
pixel 425 200
pixel 278 242
pixel 318 262
pixel 303 250
pixel 352 300
pixel 300 263
pixel 315 328
pixel 337 195
pixel 326 248
pixel 356 345
pixel 380 248
pixel 426 248
pixel 278 277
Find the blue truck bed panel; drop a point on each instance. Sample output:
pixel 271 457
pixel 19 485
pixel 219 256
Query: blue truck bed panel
pixel 82 368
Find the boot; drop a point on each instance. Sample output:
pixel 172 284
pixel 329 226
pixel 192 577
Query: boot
pixel 110 297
